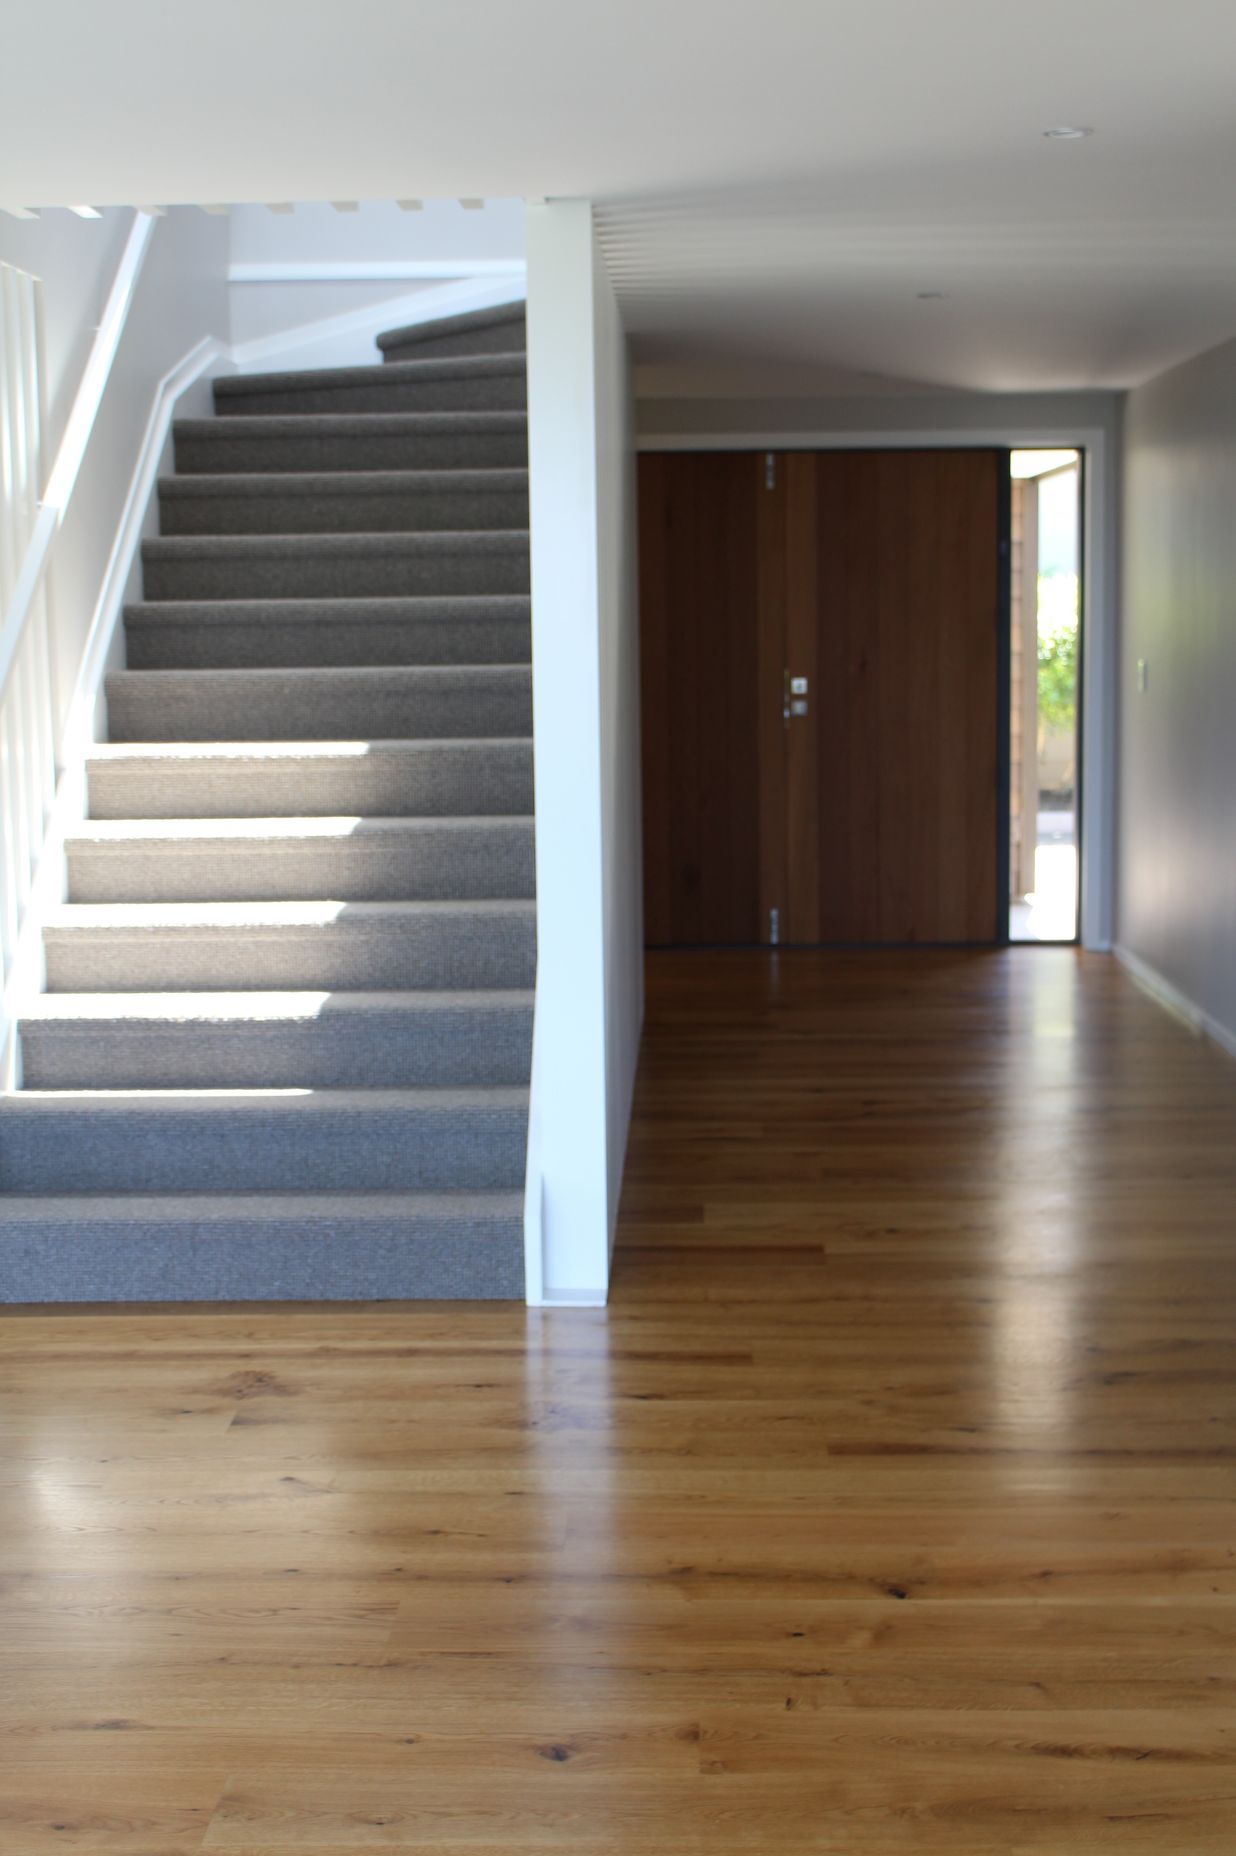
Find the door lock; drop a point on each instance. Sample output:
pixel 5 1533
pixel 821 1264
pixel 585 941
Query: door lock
pixel 795 700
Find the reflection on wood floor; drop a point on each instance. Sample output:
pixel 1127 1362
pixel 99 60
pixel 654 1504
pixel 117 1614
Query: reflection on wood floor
pixel 891 1506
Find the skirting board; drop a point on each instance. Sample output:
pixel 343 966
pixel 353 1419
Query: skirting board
pixel 370 271
pixel 1174 1001
pixel 312 344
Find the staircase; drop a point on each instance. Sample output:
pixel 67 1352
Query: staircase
pixel 284 1049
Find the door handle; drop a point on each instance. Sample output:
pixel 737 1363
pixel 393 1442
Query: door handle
pixel 794 702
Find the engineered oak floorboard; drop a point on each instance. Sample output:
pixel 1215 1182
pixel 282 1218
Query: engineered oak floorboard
pixel 889 1507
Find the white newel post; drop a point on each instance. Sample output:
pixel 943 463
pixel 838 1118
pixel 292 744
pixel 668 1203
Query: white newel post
pixel 568 1222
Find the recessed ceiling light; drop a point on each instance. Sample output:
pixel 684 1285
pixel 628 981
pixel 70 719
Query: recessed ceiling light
pixel 932 296
pixel 1068 132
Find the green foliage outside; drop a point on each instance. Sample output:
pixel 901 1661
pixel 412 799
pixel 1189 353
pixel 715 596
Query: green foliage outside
pixel 1057 633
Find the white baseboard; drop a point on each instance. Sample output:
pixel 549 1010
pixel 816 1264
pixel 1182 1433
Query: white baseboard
pixel 332 341
pixel 534 1208
pixel 1174 1001
pixel 27 973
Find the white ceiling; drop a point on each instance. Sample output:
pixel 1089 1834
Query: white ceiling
pixel 776 180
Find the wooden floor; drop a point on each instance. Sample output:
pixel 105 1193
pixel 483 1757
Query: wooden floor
pixel 890 1507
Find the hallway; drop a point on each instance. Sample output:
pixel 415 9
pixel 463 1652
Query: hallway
pixel 889 1507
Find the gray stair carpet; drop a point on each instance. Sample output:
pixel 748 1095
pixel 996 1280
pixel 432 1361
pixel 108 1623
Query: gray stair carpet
pixel 289 634
pixel 499 330
pixel 285 1043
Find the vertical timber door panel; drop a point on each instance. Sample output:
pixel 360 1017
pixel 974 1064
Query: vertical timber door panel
pixel 802 814
pixel 712 589
pixel 894 583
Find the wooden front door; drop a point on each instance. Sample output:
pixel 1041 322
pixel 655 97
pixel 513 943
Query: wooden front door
pixel 710 681
pixel 821 696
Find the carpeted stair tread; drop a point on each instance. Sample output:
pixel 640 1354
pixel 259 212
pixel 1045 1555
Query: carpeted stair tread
pixel 421 702
pixel 288 1246
pixel 285 859
pixel 196 567
pixel 256 946
pixel 226 634
pixel 368 1140
pixel 365 441
pixel 463 383
pixel 166 1011
pixel 232 389
pixel 290 779
pixel 271 1040
pixel 500 329
pixel 343 502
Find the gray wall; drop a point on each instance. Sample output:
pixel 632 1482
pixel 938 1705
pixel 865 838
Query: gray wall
pixel 671 409
pixel 621 825
pixel 1177 835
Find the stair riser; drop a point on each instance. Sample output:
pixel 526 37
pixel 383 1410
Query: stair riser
pixel 402 511
pixel 452 1047
pixel 495 338
pixel 255 1148
pixel 252 1258
pixel 457 864
pixel 441 780
pixel 352 572
pixel 455 393
pixel 436 954
pixel 169 643
pixel 229 447
pixel 206 706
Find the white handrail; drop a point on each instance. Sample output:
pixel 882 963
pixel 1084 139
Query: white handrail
pixel 64 472
pixel 32 716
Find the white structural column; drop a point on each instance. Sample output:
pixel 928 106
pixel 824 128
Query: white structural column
pixel 584 672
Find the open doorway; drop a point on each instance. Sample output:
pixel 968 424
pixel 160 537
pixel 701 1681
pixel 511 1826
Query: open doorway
pixel 1044 667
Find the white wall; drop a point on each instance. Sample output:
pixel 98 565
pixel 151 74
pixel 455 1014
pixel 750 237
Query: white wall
pixel 378 236
pixel 258 311
pixel 1177 846
pixel 75 259
pixel 313 268
pixel 585 697
pixel 181 299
